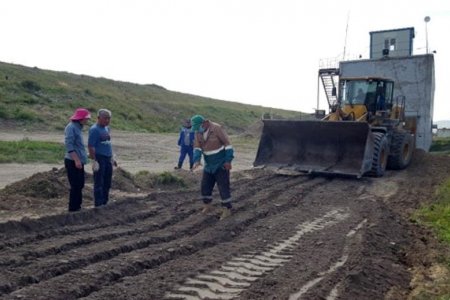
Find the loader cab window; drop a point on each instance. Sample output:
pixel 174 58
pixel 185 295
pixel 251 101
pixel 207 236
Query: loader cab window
pixel 388 92
pixel 384 95
pixel 358 92
pixel 376 94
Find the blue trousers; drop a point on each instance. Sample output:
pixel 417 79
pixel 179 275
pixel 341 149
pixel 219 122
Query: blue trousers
pixel 222 178
pixel 102 180
pixel 186 150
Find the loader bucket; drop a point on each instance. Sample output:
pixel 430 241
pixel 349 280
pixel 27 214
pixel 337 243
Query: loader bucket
pixel 324 147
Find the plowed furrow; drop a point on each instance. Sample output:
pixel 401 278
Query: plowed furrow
pixel 21 256
pixel 135 284
pixel 61 225
pixel 114 215
pixel 83 255
pixel 59 266
pixel 130 264
pixel 16 257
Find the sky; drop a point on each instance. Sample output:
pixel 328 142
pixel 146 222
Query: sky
pixel 261 52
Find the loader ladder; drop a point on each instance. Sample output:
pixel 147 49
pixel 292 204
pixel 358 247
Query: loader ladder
pixel 329 78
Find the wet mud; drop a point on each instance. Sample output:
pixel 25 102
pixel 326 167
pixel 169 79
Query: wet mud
pixel 289 237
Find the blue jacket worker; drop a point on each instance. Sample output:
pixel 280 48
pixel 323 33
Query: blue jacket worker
pixel 76 156
pixel 186 143
pixel 100 150
pixel 212 142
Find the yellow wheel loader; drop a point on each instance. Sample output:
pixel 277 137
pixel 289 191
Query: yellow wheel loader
pixel 365 132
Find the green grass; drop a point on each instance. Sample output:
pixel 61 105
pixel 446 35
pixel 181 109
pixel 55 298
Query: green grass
pixel 167 178
pixel 440 145
pixel 145 180
pixel 32 98
pixel 437 216
pixel 26 151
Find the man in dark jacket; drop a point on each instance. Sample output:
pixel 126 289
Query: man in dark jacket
pixel 186 143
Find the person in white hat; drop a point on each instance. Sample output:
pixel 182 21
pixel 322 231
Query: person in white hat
pixel 76 157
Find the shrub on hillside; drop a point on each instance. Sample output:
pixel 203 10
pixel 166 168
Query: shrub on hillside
pixel 30 86
pixel 23 115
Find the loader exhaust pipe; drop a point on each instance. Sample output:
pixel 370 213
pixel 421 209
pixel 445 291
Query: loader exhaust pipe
pixel 324 147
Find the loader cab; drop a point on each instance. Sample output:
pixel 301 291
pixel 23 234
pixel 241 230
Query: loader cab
pixel 365 96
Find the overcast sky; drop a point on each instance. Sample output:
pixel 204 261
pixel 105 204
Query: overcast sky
pixel 263 52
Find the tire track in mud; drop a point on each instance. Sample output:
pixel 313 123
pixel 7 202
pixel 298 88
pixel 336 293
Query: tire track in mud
pixel 219 284
pixel 106 255
pixel 332 269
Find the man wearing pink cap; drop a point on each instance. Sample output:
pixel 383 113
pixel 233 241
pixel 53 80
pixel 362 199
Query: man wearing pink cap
pixel 76 156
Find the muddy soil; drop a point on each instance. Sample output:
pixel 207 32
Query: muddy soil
pixel 289 237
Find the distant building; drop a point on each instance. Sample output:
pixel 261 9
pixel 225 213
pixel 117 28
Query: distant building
pixel 392 43
pixel 443 132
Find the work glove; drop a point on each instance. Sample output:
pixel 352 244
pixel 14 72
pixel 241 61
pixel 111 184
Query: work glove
pixel 95 166
pixel 196 166
pixel 113 162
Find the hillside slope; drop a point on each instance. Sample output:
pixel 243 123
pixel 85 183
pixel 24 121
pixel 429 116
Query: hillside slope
pixel 42 99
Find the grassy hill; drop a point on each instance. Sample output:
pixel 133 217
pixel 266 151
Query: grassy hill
pixel 40 99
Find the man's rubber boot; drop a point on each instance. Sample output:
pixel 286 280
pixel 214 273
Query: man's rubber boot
pixel 226 212
pixel 207 208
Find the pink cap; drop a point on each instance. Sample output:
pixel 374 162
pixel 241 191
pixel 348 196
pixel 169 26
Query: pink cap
pixel 80 114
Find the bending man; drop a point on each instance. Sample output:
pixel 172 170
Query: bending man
pixel 212 142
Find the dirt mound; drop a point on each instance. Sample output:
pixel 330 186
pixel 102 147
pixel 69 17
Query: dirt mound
pixel 51 184
pixel 123 180
pixel 46 193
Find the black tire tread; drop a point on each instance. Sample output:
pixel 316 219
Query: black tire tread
pixel 396 159
pixel 380 143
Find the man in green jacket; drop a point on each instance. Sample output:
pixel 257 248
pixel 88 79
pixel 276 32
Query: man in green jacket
pixel 212 142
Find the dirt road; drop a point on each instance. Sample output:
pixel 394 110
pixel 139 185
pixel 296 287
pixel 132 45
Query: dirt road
pixel 134 151
pixel 288 238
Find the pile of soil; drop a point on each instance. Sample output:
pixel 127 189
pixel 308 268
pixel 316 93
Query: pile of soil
pixel 46 185
pixel 46 193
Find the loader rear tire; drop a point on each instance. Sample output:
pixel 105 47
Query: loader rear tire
pixel 380 155
pixel 401 151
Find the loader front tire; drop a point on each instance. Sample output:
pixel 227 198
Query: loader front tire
pixel 401 151
pixel 380 155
